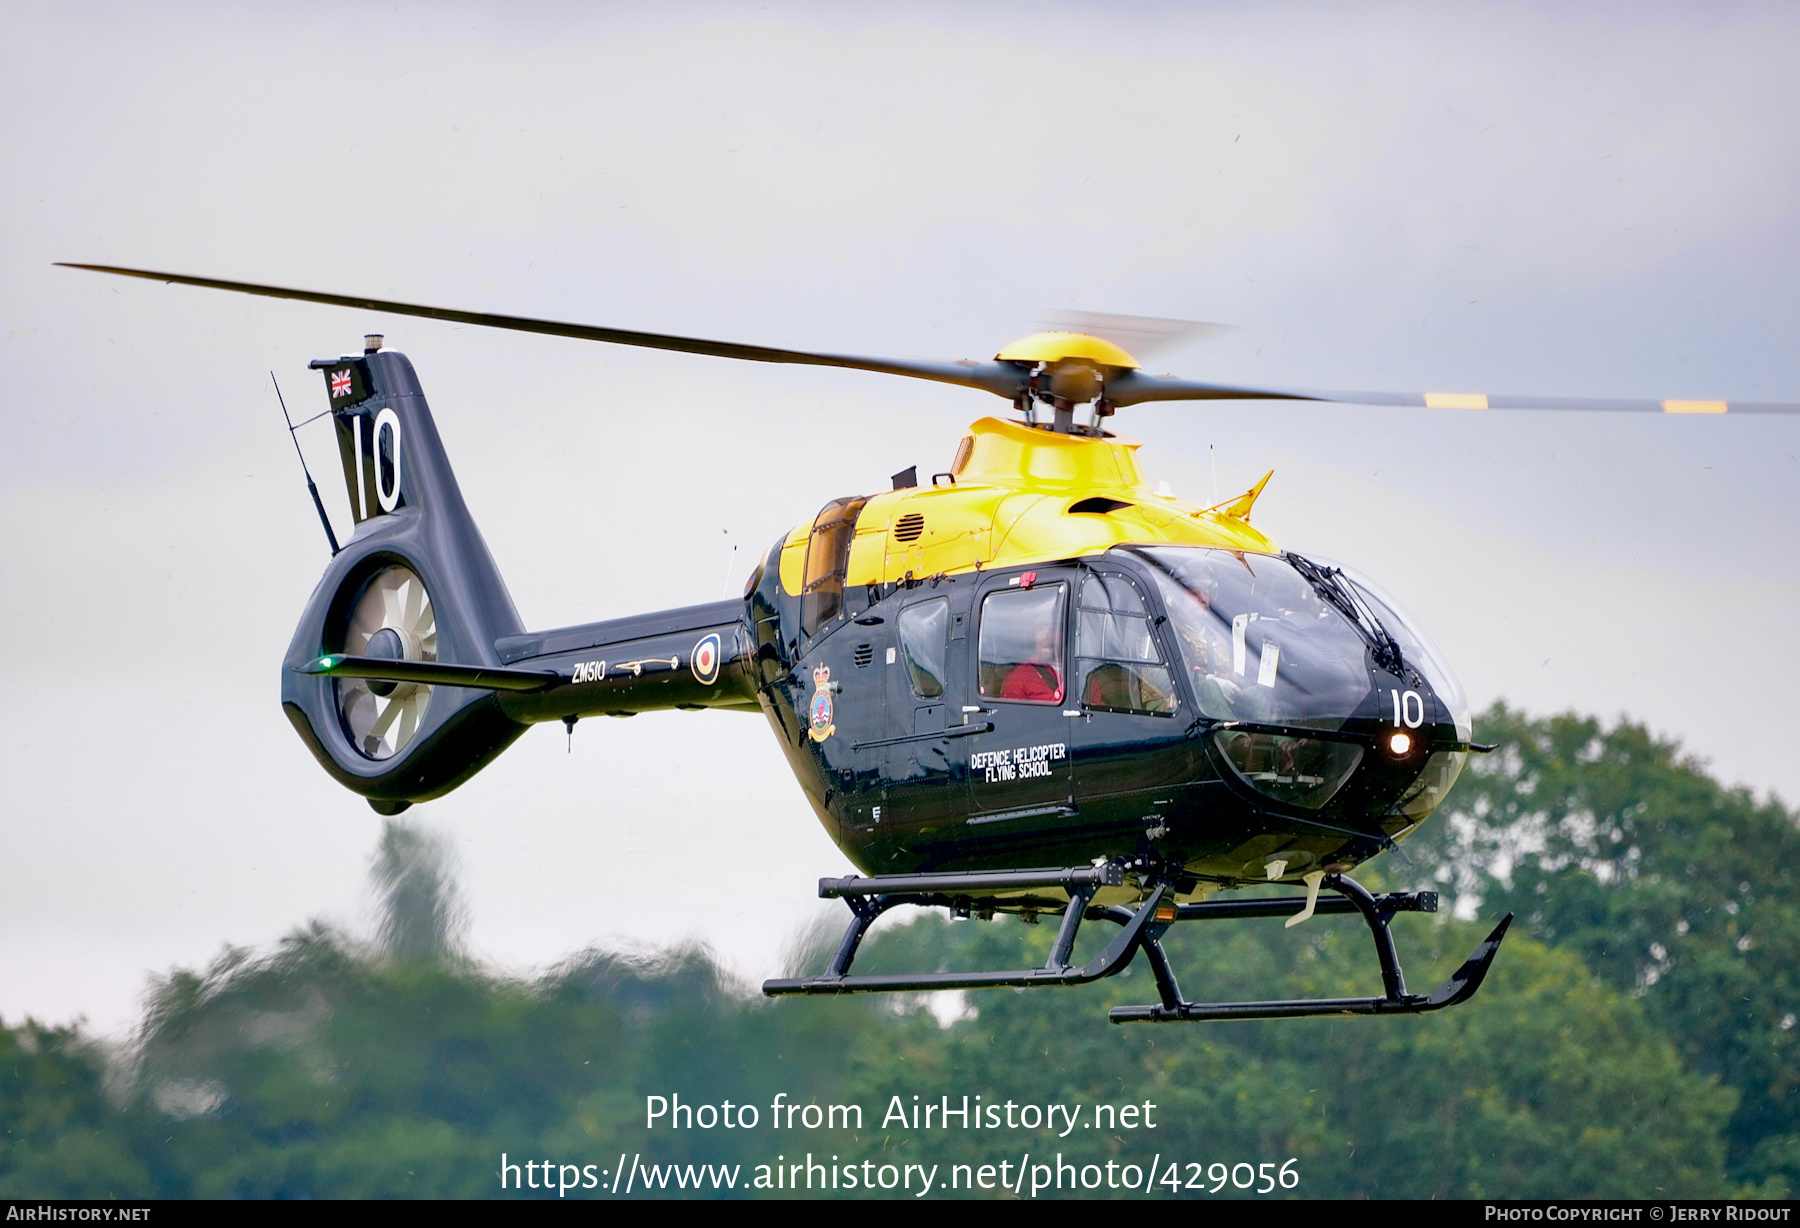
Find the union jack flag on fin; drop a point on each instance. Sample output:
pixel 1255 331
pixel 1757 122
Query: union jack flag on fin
pixel 347 383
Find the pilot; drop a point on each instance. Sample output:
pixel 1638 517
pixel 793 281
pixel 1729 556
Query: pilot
pixel 1039 678
pixel 1207 649
pixel 1302 606
pixel 1208 652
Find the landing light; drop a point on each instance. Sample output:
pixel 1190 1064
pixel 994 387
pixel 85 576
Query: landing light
pixel 1400 743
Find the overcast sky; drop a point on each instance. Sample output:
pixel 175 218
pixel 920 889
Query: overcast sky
pixel 1585 200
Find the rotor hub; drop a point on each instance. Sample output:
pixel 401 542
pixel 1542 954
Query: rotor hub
pixel 387 645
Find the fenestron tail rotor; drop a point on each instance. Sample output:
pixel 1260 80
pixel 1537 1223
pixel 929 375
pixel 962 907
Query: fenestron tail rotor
pixel 393 620
pixel 1059 369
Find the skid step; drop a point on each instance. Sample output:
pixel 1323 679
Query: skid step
pixel 1109 875
pixel 1288 906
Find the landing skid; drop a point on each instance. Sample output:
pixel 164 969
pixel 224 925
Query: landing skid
pixel 1141 927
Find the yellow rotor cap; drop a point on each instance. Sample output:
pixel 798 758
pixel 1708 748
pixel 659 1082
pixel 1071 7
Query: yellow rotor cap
pixel 1056 346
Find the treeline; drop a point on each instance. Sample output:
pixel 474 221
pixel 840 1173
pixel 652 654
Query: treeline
pixel 1635 1039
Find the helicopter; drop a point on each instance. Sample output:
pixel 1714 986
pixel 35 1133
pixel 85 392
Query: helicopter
pixel 1029 685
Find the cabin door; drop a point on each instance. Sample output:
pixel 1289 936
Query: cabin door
pixel 1129 748
pixel 1019 648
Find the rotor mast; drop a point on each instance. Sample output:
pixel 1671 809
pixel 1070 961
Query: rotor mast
pixel 1062 370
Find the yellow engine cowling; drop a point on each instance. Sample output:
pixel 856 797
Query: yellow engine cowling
pixel 1012 503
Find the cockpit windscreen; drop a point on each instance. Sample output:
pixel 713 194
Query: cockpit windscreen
pixel 1259 643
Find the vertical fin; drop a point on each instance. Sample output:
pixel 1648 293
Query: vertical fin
pixel 368 441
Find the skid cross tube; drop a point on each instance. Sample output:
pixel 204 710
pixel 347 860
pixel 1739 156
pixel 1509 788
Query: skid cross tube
pixel 1141 927
pixel 1376 910
pixel 869 898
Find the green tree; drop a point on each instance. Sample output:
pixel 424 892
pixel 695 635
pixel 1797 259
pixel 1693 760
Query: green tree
pixel 337 1068
pixel 60 1137
pixel 1611 844
pixel 1601 1057
pixel 1549 1083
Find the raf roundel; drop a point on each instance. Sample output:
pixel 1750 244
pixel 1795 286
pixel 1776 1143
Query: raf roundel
pixel 705 661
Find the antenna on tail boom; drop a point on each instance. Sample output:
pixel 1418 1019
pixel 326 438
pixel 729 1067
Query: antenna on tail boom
pixel 311 489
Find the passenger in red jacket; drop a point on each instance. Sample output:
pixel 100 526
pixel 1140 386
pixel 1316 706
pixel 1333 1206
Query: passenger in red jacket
pixel 1039 678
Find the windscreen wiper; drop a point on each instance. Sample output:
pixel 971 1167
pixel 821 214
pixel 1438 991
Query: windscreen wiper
pixel 1330 583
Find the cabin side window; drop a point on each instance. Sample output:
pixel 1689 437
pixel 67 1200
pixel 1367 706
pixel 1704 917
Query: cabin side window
pixel 1021 650
pixel 924 630
pixel 827 562
pixel 1117 665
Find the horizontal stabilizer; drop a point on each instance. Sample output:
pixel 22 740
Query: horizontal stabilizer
pixel 432 673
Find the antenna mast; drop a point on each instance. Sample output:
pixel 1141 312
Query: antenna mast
pixel 311 489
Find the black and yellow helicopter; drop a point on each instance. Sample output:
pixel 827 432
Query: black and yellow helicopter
pixel 1030 685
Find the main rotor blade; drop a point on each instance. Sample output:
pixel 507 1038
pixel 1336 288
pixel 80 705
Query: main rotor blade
pixel 1134 388
pixel 1002 379
pixel 1143 337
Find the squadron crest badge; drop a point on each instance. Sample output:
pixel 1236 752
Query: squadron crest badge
pixel 819 716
